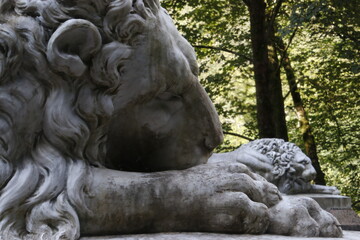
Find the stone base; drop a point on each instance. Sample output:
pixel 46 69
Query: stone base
pixel 348 219
pixel 329 201
pixel 348 235
pixel 340 207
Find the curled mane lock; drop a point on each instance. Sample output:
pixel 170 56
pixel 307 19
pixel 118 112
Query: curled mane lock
pixel 279 152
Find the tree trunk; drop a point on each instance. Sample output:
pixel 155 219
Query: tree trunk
pixel 275 86
pixel 261 68
pixel 269 100
pixel 305 128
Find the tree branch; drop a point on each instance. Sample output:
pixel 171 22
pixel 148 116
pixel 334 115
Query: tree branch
pixel 275 12
pixel 283 50
pixel 224 50
pixel 289 92
pixel 238 135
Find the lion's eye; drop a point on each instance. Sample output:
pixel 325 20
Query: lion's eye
pixel 304 162
pixel 167 96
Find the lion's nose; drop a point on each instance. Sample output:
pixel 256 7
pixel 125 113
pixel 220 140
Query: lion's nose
pixel 203 112
pixel 213 129
pixel 313 174
pixel 213 140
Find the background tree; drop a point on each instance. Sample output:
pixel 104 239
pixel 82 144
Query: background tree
pixel 304 124
pixel 326 53
pixel 320 40
pixel 269 102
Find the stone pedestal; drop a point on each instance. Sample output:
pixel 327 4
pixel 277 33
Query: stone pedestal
pixel 340 207
pixel 348 235
pixel 329 201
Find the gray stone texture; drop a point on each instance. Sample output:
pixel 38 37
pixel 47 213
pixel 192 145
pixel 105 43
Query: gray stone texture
pixel 348 218
pixel 328 201
pixel 348 235
pixel 279 162
pixel 340 207
pixel 95 97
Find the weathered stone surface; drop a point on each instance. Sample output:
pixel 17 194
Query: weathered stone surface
pixel 348 235
pixel 281 163
pixel 340 207
pixel 330 201
pixel 348 218
pixel 91 88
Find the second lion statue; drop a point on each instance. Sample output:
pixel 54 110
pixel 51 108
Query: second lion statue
pixel 97 99
pixel 281 163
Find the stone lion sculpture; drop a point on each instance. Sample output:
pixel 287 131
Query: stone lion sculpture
pixel 93 90
pixel 281 163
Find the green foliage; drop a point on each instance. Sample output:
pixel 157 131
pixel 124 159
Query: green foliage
pixel 327 60
pixel 330 88
pixel 324 53
pixel 219 30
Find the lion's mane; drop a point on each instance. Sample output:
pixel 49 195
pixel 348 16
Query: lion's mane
pixel 278 152
pixel 42 172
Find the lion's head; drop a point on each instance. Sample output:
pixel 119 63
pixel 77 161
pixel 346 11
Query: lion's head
pixel 163 117
pixel 291 167
pixel 84 84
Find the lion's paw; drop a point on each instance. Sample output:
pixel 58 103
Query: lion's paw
pixel 257 188
pixel 300 216
pixel 235 212
pixel 238 199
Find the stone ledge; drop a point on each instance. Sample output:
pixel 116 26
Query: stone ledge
pixel 347 218
pixel 340 207
pixel 348 235
pixel 329 201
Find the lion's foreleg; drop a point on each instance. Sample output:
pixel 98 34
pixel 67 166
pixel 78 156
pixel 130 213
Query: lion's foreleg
pixel 129 202
pixel 209 197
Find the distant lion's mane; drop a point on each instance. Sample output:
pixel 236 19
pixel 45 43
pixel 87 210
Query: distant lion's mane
pixel 279 153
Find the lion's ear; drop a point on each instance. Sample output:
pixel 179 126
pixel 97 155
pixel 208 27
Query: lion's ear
pixel 72 45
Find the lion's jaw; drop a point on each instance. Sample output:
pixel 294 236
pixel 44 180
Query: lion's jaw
pixel 302 164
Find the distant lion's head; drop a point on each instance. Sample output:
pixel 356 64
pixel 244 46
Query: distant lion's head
pixel 76 79
pixel 290 165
